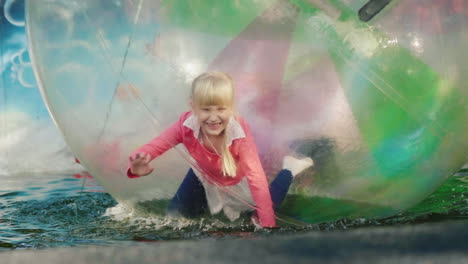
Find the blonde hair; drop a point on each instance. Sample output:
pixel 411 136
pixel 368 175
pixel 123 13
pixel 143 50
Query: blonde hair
pixel 216 88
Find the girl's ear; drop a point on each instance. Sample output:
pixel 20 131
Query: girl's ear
pixel 191 104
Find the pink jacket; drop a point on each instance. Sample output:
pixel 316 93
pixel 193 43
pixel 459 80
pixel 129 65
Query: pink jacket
pixel 243 150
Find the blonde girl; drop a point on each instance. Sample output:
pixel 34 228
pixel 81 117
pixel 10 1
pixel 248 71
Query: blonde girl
pixel 225 154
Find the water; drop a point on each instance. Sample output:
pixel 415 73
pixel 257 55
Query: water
pixel 44 211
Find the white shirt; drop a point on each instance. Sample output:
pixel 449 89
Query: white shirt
pixel 234 199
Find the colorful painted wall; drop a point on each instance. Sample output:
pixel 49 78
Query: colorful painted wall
pixel 29 141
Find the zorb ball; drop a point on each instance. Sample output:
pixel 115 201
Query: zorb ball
pixel 373 91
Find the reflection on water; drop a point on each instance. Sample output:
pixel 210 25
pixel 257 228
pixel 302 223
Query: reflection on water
pixel 39 211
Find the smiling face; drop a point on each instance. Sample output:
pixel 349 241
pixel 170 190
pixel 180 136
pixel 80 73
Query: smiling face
pixel 213 102
pixel 213 119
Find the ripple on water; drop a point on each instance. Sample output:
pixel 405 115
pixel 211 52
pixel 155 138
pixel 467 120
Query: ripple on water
pixel 64 216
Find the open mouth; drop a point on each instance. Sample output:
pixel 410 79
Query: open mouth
pixel 214 126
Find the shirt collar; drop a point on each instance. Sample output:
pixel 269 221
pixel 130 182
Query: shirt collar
pixel 233 129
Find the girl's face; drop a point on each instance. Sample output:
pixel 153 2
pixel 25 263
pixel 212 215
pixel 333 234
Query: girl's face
pixel 213 119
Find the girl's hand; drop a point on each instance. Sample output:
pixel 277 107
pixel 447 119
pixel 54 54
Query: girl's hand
pixel 139 164
pixel 256 223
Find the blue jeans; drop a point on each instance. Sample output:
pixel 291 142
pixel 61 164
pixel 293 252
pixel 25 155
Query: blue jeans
pixel 190 198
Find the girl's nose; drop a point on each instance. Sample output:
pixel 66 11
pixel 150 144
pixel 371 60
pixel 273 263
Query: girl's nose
pixel 213 116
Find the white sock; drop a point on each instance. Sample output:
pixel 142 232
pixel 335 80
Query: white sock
pixel 296 165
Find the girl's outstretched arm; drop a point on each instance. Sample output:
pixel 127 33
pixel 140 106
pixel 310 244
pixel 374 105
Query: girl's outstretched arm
pixel 170 138
pixel 139 164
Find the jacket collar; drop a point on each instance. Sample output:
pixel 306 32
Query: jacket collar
pixel 233 129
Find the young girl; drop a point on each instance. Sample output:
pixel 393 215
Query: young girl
pixel 227 174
